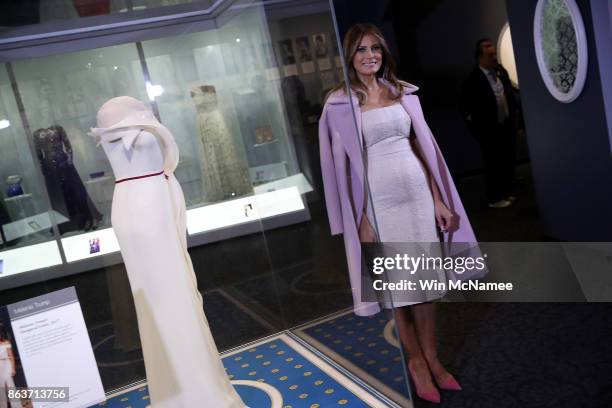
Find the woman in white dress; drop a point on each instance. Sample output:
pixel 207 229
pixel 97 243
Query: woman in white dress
pixel 7 370
pixel 406 201
pixel 148 216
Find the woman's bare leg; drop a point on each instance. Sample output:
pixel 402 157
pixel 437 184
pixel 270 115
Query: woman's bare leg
pixel 405 324
pixel 425 322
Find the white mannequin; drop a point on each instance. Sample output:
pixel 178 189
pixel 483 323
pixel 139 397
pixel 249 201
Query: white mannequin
pixel 148 215
pixel 127 165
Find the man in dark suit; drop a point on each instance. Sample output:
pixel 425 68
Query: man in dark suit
pixel 490 110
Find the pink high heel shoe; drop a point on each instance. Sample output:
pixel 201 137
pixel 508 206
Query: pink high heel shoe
pixel 431 396
pixel 450 384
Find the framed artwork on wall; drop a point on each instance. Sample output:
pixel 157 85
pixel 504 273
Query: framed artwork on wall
pixel 304 54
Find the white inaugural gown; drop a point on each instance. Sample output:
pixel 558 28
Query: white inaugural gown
pixel 148 215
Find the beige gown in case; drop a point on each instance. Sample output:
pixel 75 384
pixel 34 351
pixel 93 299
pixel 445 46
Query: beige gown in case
pixel 225 174
pixel 148 215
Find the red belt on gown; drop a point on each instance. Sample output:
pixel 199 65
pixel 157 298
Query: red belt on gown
pixel 141 177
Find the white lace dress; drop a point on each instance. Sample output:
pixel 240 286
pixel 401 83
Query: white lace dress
pixel 401 197
pixel 402 201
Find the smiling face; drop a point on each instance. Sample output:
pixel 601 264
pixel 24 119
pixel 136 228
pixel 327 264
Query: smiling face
pixel 368 57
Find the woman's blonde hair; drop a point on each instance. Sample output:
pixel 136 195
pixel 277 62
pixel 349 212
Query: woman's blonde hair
pixel 352 40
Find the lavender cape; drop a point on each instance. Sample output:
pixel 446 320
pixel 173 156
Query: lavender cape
pixel 341 149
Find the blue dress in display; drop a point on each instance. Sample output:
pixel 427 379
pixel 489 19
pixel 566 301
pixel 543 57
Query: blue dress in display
pixel 66 190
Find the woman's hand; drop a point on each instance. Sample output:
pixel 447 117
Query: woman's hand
pixel 444 216
pixel 366 231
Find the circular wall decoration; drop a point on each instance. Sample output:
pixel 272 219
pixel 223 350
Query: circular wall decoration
pixel 505 53
pixel 561 47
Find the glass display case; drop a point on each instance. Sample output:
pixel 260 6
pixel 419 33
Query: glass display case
pixel 241 86
pixel 224 107
pixel 27 227
pixel 60 103
pixel 34 13
pixel 217 90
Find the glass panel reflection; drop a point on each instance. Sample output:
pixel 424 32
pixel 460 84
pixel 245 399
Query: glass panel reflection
pixel 18 13
pixel 23 210
pixel 61 101
pixel 222 98
pixel 243 101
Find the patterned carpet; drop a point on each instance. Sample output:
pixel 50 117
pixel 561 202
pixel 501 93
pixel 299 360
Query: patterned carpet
pixel 301 382
pixel 278 372
pixel 366 346
pixel 230 326
pixel 506 355
pixel 138 398
pixel 284 295
pixel 230 323
pixel 524 355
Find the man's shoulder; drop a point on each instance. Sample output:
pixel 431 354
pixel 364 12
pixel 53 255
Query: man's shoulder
pixel 504 75
pixel 476 73
pixel 473 78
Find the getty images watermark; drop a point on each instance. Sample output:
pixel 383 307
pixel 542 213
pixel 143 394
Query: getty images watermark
pixel 431 274
pixel 398 273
